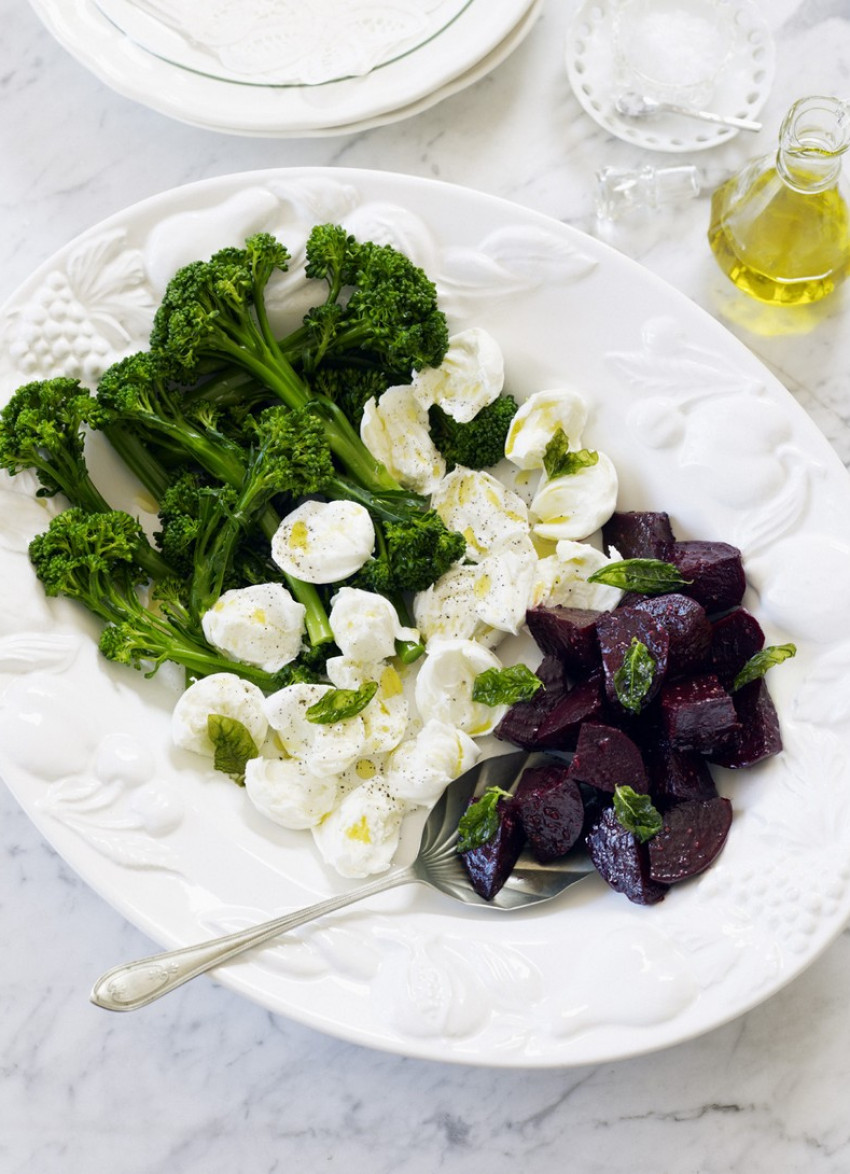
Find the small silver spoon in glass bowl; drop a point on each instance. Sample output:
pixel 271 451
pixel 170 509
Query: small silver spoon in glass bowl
pixel 437 865
pixel 634 105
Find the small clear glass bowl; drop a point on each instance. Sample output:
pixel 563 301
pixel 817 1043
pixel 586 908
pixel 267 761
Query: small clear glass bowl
pixel 672 50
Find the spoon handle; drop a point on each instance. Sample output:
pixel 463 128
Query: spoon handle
pixel 709 116
pixel 135 984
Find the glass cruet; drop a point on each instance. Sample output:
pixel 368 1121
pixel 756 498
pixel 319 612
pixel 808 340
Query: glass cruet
pixel 779 228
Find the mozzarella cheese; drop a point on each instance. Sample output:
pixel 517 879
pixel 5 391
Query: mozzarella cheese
pixel 324 542
pixel 561 578
pixel 366 625
pixel 483 601
pixel 537 421
pixel 323 749
pixel 421 768
pixel 445 682
pixel 481 508
pixel 447 609
pixel 287 793
pixel 220 693
pixel 503 585
pixel 360 836
pixel 261 625
pixel 471 376
pixel 395 430
pixel 385 717
pixel 368 767
pixel 575 505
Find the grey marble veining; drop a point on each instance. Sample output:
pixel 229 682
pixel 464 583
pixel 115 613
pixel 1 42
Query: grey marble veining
pixel 205 1081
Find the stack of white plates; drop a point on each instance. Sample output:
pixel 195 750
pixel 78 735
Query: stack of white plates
pixel 285 68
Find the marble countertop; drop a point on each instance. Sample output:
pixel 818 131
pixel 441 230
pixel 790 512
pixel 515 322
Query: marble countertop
pixel 206 1081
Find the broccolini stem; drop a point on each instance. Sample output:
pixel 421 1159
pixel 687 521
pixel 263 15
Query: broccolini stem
pixel 409 651
pixel 395 505
pixel 264 324
pixel 276 373
pixel 270 368
pixel 316 618
pixel 150 560
pixel 139 460
pixel 218 456
pixel 197 661
pixel 347 446
pixel 230 386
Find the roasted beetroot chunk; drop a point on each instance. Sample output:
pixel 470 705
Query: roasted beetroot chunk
pixel 595 802
pixel 676 774
pixel 568 633
pixel 521 723
pixel 560 728
pixel 622 861
pixel 553 721
pixel 698 714
pixel 693 834
pixel 638 534
pixel 489 865
pixel 606 758
pixel 734 639
pixel 616 630
pixel 758 735
pixel 714 570
pixel 688 628
pixel 552 672
pixel 551 810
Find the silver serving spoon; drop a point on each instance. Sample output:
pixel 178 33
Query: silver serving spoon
pixel 634 105
pixel 437 864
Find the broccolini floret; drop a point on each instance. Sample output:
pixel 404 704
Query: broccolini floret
pixel 411 555
pixel 43 428
pixel 391 313
pixel 291 455
pixel 478 444
pixel 91 558
pixel 350 387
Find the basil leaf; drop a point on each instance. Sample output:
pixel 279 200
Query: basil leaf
pixel 633 679
pixel 480 822
pixel 636 813
pixel 232 745
pixel 649 576
pixel 760 662
pixel 505 686
pixel 338 704
pixel 560 461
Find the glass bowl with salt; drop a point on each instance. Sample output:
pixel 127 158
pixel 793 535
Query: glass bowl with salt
pixel 672 50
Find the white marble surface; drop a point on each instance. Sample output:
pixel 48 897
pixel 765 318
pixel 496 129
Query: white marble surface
pixel 205 1081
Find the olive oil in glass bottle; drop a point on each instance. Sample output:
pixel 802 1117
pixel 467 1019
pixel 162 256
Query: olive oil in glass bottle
pixel 780 229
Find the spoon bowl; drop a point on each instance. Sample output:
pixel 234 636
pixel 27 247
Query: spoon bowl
pixel 437 865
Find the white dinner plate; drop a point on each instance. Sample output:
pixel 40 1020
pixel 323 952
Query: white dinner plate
pixel 495 57
pixel 296 110
pixel 695 425
pixel 281 42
